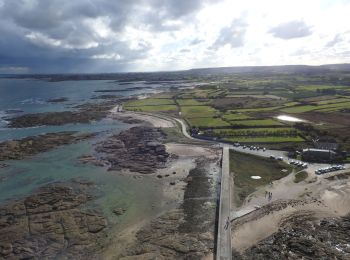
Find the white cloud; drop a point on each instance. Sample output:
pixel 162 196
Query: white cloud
pixel 179 34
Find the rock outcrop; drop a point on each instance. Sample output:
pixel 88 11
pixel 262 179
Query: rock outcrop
pixel 138 149
pixel 85 113
pixel 19 149
pixel 304 238
pixel 184 233
pixel 52 222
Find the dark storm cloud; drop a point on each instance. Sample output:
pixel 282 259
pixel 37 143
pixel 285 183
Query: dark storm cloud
pixel 291 30
pixel 58 35
pixel 232 35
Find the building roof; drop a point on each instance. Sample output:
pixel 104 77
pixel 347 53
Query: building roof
pixel 317 150
pixel 327 146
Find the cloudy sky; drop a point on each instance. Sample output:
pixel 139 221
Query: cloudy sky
pixel 45 36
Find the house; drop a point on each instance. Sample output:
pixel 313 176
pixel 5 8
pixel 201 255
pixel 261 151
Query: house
pixel 318 155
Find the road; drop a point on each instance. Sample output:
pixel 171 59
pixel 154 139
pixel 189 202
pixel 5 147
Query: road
pixel 184 128
pixel 223 246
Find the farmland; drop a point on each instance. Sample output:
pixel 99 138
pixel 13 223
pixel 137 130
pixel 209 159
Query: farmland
pixel 243 108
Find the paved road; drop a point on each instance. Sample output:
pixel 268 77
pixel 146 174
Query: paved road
pixel 184 129
pixel 223 246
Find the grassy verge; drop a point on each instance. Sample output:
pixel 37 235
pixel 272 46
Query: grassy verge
pixel 300 176
pixel 245 165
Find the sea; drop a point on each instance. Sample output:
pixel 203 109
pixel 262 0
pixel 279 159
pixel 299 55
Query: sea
pixel 140 196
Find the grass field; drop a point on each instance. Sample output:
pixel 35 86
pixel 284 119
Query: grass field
pixel 265 139
pixel 323 108
pixel 319 87
pixel 198 111
pixel 244 166
pixel 259 122
pixel 299 109
pixel 191 102
pixel 281 131
pixel 150 102
pixel 332 101
pixel 203 122
pixel 158 108
pixel 235 116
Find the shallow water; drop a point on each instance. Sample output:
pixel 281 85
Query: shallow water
pixel 31 96
pixel 114 190
pixel 138 196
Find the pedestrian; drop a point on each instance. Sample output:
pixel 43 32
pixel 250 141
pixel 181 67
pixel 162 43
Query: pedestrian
pixel 227 223
pixel 265 194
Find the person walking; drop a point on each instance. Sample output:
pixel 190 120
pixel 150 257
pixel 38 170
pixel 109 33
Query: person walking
pixel 227 223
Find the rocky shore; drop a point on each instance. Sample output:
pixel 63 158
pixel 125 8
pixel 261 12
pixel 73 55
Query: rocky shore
pixel 186 232
pixel 138 149
pixel 29 146
pixel 85 113
pixel 304 238
pixel 57 100
pixel 53 222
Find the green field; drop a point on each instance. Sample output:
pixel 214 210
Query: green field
pixel 198 111
pixel 259 122
pixel 265 139
pixel 324 108
pixel 318 87
pixel 281 131
pixel 245 165
pixel 203 122
pixel 332 101
pixel 235 116
pixel 160 108
pixel 149 102
pixel 191 102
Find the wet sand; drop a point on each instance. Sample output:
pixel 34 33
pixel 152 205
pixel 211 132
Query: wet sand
pixel 174 181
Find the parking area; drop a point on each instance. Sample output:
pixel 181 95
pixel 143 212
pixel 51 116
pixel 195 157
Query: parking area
pixel 314 169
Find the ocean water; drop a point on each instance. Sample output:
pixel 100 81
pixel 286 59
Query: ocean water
pixel 140 196
pixel 31 96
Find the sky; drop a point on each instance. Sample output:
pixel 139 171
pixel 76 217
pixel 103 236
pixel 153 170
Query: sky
pixel 93 36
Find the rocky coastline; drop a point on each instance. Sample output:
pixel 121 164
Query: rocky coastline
pixel 304 238
pixel 138 149
pixel 85 113
pixel 29 146
pixel 186 232
pixel 53 222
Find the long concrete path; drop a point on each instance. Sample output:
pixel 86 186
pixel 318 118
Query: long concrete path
pixel 223 246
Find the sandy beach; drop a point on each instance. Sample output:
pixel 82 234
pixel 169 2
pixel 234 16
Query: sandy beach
pixel 315 199
pixel 174 180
